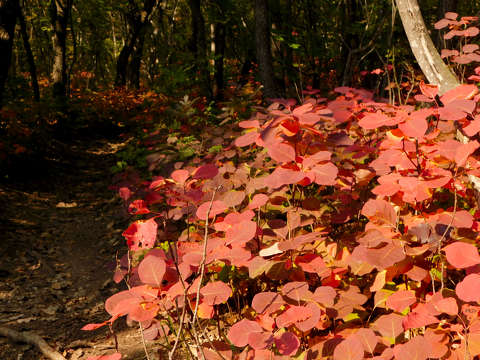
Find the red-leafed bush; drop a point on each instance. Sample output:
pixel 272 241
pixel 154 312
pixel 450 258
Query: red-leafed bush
pixel 342 229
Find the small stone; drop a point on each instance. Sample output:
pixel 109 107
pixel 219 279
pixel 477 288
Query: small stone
pixel 51 310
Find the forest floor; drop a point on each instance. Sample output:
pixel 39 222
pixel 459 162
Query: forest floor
pixel 61 228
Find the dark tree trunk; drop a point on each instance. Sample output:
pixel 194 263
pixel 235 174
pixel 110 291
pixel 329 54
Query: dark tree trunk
pixel 351 41
pixel 122 63
pixel 263 48
pixel 59 15
pixel 28 51
pixel 7 30
pixel 443 7
pixel 130 58
pixel 135 63
pixel 198 46
pixel 219 56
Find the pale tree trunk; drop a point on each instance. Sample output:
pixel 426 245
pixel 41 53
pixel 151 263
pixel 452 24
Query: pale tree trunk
pixel 59 14
pixel 7 30
pixel 432 65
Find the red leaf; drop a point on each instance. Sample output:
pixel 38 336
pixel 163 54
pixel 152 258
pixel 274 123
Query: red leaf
pixel 233 198
pixel 467 289
pixel 401 299
pixel 385 257
pixel 314 159
pixel 115 356
pixel 314 317
pixel 380 210
pixel 248 124
pixel 293 315
pixel 125 193
pixel 290 127
pixel 429 90
pixel 296 290
pixel 368 338
pixel 247 139
pixel 138 207
pixel 239 332
pixel 420 317
pixel 258 201
pixel 451 15
pixel 215 293
pixel 462 255
pixel 281 152
pixel 180 176
pixel 389 326
pixel 218 207
pixel 260 341
pixel 313 263
pixel 374 120
pixel 205 311
pixel 349 349
pixel 447 305
pixel 416 348
pixel 241 233
pixel 325 174
pixel 151 270
pixel 472 31
pixel 441 24
pixel 141 234
pixel 90 327
pixel 465 91
pixel 287 343
pixel 220 348
pixel 461 219
pixel 324 295
pixel 473 127
pixel 207 171
pixel 464 151
pixel 415 126
pixel 281 176
pixel 267 302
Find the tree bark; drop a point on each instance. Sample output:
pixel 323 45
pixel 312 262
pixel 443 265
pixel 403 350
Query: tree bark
pixel 263 48
pixel 130 58
pixel 199 46
pixel 28 51
pixel 219 39
pixel 443 7
pixel 428 58
pixel 7 31
pixel 59 14
pixel 431 64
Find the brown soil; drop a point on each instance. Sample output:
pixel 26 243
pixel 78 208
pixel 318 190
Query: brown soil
pixel 60 231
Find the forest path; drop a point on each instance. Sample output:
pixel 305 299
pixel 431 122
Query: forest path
pixel 60 229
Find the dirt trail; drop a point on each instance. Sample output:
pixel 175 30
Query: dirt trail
pixel 60 229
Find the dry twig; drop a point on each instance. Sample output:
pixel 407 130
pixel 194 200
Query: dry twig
pixel 32 339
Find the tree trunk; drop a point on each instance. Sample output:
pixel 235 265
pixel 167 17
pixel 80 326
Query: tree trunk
pixel 7 31
pixel 443 7
pixel 122 63
pixel 136 62
pixel 432 65
pixel 130 58
pixel 28 51
pixel 263 48
pixel 59 14
pixel 219 39
pixel 199 46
